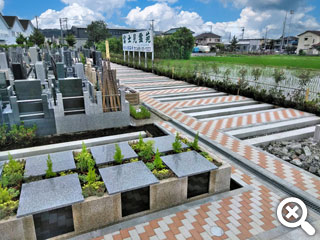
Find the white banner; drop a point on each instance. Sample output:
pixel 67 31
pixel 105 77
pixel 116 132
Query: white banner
pixel 138 41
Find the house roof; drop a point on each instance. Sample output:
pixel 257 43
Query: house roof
pixel 207 35
pixel 311 31
pixel 10 20
pixel 25 23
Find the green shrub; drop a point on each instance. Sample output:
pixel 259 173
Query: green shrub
pixel 49 172
pixel 118 157
pixel 147 151
pixel 195 143
pixel 176 145
pixel 94 189
pixel 143 113
pixel 3 135
pixel 134 160
pixel 22 135
pixel 150 166
pixel 157 162
pixel 84 159
pixel 12 174
pixel 207 156
pixel 161 174
pixel 92 176
pixel 8 206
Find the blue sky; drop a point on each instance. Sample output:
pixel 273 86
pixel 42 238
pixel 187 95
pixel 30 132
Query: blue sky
pixel 225 17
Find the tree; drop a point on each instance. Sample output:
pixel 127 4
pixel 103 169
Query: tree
pixel 220 47
pixel 21 39
pixel 97 31
pixel 71 40
pixel 37 37
pixel 234 43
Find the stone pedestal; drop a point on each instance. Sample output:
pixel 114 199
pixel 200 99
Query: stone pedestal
pixel 317 134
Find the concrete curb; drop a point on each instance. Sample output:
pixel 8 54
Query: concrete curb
pixel 60 147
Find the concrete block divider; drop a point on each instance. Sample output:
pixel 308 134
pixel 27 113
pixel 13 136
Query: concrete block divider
pixel 59 147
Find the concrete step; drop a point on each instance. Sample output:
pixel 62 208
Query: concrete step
pixel 218 106
pixel 231 111
pixel 143 81
pixel 274 127
pixel 283 136
pixel 183 94
pixel 143 89
pixel 241 114
pixel 199 96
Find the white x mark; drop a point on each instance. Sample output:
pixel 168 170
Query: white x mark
pixel 292 212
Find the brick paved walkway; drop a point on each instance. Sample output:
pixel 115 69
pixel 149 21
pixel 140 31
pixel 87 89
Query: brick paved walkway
pixel 242 216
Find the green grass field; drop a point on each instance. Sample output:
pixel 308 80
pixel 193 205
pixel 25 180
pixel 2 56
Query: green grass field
pixel 296 62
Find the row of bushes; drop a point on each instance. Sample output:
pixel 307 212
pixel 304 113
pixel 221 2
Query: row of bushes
pixel 273 96
pixel 18 134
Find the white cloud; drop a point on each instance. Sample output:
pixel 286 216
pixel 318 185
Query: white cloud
pixel 76 14
pixel 106 7
pixel 1 5
pixel 255 22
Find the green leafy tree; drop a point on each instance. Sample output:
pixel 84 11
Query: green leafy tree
pixel 49 172
pixel 71 40
pixel 37 37
pixel 176 145
pixel 21 39
pixel 147 150
pixel 233 45
pixel 97 31
pixel 157 162
pixel 118 157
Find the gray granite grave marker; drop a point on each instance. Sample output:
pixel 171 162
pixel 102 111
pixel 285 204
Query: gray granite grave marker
pixel 127 177
pixel 188 164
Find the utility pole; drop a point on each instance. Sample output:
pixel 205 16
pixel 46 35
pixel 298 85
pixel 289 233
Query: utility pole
pixel 152 24
pixel 284 30
pixel 211 28
pixel 243 28
pixel 265 39
pixel 62 26
pixel 291 15
pixel 37 22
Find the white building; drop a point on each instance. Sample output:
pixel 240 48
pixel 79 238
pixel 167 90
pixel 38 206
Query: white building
pixel 307 41
pixel 11 27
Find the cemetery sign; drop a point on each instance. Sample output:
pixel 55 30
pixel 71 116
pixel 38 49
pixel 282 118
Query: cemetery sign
pixel 138 41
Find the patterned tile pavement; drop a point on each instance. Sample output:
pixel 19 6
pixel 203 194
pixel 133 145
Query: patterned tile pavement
pixel 241 216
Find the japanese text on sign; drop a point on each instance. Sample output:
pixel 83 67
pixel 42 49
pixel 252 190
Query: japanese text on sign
pixel 138 41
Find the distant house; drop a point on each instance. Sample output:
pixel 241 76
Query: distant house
pixel 307 41
pixel 15 27
pixel 52 35
pixel 117 32
pixel 250 45
pixel 27 26
pixel 208 39
pixel 289 41
pixel 4 30
pixel 173 30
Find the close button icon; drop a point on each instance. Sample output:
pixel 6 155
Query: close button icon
pixel 292 213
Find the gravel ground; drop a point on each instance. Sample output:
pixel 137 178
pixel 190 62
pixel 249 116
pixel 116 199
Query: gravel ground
pixel 304 153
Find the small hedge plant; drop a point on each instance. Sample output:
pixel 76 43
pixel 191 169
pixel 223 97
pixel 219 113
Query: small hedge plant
pixel 118 157
pixel 8 206
pixel 12 173
pixel 176 145
pixel 94 187
pixel 49 172
pixel 143 112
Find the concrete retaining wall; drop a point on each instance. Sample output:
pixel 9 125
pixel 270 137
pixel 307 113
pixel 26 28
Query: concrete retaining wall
pixel 18 229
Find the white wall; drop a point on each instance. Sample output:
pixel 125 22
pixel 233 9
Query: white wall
pixel 306 41
pixel 4 31
pixel 14 32
pixel 28 31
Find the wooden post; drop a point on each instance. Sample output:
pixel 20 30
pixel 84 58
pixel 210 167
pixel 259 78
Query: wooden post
pixel 124 56
pixel 307 95
pixel 172 72
pixel 133 57
pixel 107 50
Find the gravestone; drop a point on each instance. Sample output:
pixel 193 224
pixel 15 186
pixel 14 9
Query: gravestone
pixel 79 71
pixel 3 61
pixel 57 57
pixel 3 80
pixel 28 89
pixel 98 59
pixel 60 70
pixel 33 55
pixel 86 53
pixel 18 71
pixel 41 71
pixel 4 83
pixel 94 57
pixel 67 58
